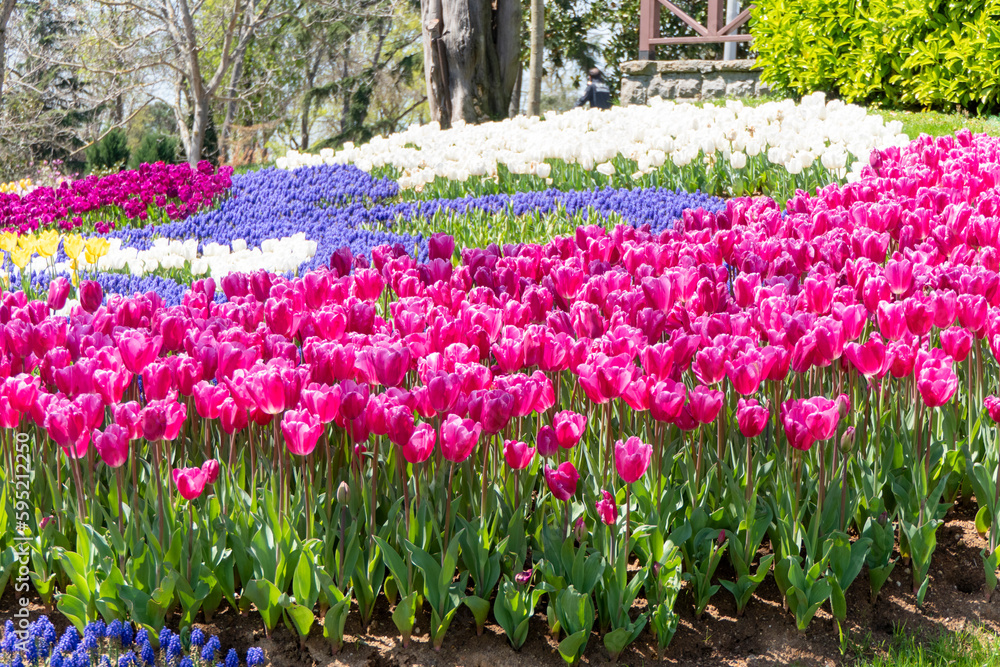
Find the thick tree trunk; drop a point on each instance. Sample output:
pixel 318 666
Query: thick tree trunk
pixel 199 124
pixel 6 9
pixel 471 57
pixel 535 60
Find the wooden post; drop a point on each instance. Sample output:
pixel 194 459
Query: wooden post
pixel 649 28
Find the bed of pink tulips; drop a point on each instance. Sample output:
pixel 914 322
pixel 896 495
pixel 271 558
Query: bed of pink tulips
pixel 509 433
pixel 165 191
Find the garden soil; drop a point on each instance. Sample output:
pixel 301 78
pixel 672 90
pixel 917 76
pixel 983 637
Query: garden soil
pixel 765 635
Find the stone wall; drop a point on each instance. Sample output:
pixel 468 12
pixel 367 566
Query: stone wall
pixel 689 80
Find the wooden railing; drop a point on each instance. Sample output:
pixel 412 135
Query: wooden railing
pixel 649 26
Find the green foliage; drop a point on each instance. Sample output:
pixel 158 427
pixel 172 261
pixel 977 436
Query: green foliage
pixel 155 148
pixel 111 152
pixel 904 54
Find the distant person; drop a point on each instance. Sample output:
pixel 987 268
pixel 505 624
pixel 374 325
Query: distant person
pixel 597 92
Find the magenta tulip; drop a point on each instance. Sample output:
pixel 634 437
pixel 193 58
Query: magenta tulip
pixel 112 445
pixel 569 428
pixel 546 441
pixel 458 438
pixel 606 509
pixel 301 429
pixel 752 417
pixel 190 482
pixel 420 445
pixel 517 454
pixel 562 480
pixel 632 458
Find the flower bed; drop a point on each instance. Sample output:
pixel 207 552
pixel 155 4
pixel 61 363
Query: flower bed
pixel 725 150
pixel 812 380
pixel 167 191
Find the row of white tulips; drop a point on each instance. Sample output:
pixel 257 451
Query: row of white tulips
pixel 788 134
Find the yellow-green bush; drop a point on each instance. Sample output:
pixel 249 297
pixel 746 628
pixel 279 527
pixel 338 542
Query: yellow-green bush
pixel 903 53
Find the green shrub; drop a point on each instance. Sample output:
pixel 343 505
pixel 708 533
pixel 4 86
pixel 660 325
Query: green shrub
pixel 155 148
pixel 901 53
pixel 111 152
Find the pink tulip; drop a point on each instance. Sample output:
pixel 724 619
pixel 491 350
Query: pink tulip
pixel 91 295
pixel 562 480
pixel 420 445
pixel 606 509
pixel 112 445
pixel 632 458
pixel 793 417
pixel 937 384
pixel 190 482
pixel 705 404
pixel 391 365
pixel 458 438
pixel 956 342
pixel 301 429
pixel 517 454
pixel 666 400
pixel 546 441
pixel 752 417
pixel 822 417
pixel 58 292
pixel 211 468
pixel 992 405
pixel 493 409
pixel 569 428
pixel 138 350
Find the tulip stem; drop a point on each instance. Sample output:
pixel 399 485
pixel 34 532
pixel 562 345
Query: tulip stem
pixel 566 520
pixel 121 514
pixel 607 439
pixel 307 490
pixel 371 523
pixel 159 491
pixel 191 539
pixel 628 519
pixel 448 514
pixel 486 459
pixel 401 466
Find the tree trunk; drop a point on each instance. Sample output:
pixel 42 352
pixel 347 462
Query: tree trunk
pixel 199 124
pixel 6 9
pixel 515 98
pixel 471 58
pixel 227 122
pixel 537 55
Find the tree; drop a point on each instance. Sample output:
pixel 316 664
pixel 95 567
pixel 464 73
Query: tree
pixel 6 9
pixel 536 57
pixel 471 57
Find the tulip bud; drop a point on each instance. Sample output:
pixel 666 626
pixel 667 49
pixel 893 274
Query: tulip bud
pixel 343 493
pixel 45 522
pixel 657 566
pixel 847 441
pixel 580 530
pixel 523 578
pixel 722 538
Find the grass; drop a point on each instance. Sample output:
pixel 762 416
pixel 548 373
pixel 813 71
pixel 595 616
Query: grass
pixel 967 648
pixel 936 123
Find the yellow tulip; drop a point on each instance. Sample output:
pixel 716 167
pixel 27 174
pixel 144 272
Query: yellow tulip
pixel 8 241
pixel 21 256
pixel 73 245
pixel 27 242
pixel 48 243
pixel 96 248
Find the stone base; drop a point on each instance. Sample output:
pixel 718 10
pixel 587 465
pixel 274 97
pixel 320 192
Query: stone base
pixel 689 80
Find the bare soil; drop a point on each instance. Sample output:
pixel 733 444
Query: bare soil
pixel 765 635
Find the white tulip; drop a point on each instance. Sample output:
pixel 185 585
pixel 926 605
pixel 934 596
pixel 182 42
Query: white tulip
pixel 738 160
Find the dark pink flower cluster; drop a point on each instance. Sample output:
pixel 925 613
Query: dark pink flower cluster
pixel 894 275
pixel 178 189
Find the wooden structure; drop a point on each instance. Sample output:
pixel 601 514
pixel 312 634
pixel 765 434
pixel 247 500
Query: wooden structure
pixel 649 26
